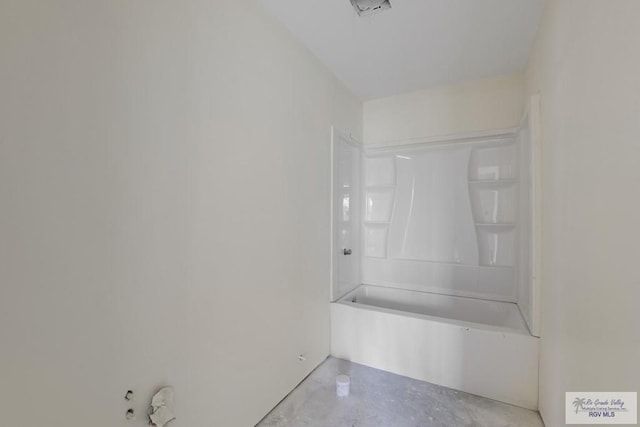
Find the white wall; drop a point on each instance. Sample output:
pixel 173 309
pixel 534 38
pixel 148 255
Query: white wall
pixel 467 107
pixel 164 180
pixel 586 66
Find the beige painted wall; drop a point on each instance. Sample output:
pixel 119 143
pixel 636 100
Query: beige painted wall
pixel 164 180
pixel 586 66
pixel 467 107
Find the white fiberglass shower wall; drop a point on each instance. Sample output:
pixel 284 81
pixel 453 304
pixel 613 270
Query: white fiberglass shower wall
pixel 450 218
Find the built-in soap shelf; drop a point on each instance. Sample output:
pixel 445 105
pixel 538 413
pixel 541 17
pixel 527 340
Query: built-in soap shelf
pixel 493 163
pixel 375 239
pixel 496 246
pixel 379 195
pixel 378 204
pixel 377 219
pixel 493 190
pixel 494 204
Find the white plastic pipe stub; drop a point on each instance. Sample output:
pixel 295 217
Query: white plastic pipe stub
pixel 343 383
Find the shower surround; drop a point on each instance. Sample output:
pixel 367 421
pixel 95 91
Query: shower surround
pixel 445 287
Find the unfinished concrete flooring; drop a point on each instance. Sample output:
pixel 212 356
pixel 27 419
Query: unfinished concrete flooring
pixel 382 399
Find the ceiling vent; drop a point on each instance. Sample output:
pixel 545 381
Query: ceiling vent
pixel 370 7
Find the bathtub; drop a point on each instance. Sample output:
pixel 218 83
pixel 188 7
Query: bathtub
pixel 473 345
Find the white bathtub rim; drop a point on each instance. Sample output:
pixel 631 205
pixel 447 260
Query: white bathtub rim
pixel 443 320
pixel 438 290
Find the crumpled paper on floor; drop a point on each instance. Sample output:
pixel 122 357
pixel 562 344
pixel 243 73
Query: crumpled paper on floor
pixel 162 407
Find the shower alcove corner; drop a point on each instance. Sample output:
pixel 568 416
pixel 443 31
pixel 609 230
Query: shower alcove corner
pixel 441 287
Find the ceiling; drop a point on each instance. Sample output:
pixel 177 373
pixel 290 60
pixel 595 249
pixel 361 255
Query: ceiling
pixel 417 44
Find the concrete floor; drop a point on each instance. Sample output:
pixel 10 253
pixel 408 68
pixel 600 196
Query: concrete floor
pixel 382 399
